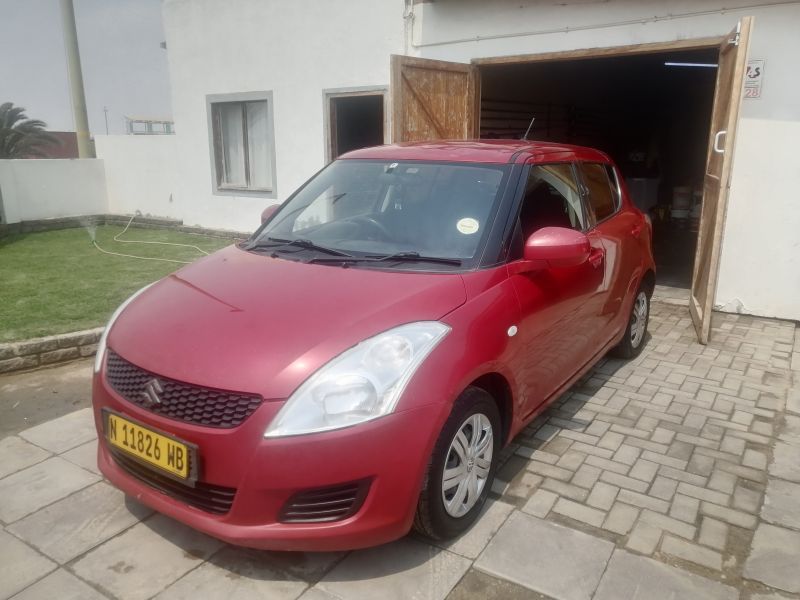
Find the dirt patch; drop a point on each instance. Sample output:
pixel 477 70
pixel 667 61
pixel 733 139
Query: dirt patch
pixel 27 399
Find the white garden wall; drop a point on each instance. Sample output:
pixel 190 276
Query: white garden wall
pixel 140 173
pixel 44 189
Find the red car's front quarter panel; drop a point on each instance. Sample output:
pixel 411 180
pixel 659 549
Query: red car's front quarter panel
pixel 392 451
pixel 219 324
pixel 481 341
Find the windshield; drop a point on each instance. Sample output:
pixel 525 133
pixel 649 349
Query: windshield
pixel 383 208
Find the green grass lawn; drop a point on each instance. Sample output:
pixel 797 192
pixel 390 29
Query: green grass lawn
pixel 56 281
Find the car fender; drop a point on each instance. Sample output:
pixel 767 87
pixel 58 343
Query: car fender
pixel 479 344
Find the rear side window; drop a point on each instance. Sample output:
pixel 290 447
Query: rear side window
pixel 603 199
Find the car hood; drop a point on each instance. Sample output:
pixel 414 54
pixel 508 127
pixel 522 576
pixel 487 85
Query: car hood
pixel 247 322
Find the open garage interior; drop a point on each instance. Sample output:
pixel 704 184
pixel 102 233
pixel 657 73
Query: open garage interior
pixel 651 117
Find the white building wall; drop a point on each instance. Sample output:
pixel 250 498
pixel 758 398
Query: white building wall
pixel 760 269
pixel 293 48
pixel 44 189
pixel 140 173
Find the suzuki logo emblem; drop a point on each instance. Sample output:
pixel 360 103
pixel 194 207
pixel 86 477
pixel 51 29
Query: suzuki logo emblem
pixel 151 392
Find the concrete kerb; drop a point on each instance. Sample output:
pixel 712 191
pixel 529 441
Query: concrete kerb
pixel 793 394
pixel 45 351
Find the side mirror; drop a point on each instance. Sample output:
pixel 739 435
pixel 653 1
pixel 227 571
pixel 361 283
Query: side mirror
pixel 554 247
pixel 268 212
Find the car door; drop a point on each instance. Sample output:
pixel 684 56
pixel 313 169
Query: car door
pixel 558 305
pixel 614 229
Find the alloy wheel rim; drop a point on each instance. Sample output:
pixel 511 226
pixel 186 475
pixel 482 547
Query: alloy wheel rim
pixel 467 465
pixel 638 319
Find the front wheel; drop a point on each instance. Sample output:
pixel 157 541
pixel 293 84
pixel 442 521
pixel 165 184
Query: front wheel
pixel 633 340
pixel 461 468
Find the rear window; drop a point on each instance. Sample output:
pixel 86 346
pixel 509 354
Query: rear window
pixel 602 198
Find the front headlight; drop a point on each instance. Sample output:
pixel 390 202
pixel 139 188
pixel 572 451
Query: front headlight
pixel 361 384
pixel 101 345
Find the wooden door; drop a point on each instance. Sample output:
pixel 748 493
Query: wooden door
pixel 434 100
pixel 727 99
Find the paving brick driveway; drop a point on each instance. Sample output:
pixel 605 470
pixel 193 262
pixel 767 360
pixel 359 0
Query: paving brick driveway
pixel 673 476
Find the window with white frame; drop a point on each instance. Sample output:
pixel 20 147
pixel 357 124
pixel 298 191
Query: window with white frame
pixel 243 144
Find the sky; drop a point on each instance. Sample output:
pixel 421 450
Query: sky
pixel 124 67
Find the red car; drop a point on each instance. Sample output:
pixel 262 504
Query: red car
pixel 355 367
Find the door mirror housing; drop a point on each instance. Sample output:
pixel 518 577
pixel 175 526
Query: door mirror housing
pixel 554 247
pixel 268 212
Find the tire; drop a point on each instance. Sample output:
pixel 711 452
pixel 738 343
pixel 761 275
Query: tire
pixel 636 331
pixel 440 514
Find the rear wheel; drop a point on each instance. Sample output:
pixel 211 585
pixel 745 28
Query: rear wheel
pixel 633 340
pixel 461 468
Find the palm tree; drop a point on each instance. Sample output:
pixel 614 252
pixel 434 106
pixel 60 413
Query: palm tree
pixel 21 137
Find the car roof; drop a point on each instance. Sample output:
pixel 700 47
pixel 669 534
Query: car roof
pixel 478 151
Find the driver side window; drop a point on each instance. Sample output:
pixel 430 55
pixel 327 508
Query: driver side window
pixel 551 199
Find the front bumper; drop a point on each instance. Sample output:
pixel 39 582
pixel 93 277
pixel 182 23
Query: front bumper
pixel 391 453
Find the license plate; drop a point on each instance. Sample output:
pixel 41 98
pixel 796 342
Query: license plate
pixel 159 450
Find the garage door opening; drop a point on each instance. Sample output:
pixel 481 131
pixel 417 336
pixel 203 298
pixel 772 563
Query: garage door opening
pixel 355 120
pixel 650 112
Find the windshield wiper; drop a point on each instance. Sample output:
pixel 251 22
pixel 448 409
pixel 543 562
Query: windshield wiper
pixel 301 242
pixel 416 257
pixel 396 257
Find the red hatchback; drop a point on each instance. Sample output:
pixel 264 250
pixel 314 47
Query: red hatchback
pixel 355 367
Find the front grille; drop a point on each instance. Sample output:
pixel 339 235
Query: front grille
pixel 210 498
pixel 325 504
pixel 179 401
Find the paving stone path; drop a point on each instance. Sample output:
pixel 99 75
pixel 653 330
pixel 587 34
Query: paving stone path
pixel 676 475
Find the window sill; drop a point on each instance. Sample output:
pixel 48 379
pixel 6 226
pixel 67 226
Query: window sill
pixel 237 188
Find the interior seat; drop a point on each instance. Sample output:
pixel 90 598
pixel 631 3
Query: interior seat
pixel 543 207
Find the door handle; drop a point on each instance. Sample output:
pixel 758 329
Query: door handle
pixel 596 257
pixel 717 137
